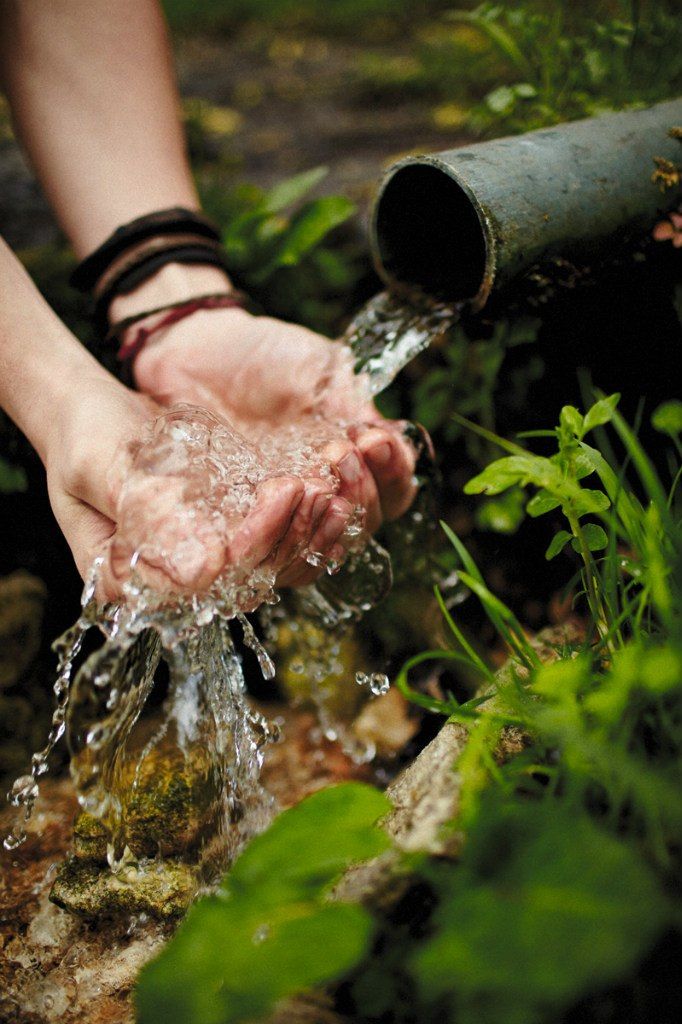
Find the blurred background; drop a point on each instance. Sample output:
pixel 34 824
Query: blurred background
pixel 313 100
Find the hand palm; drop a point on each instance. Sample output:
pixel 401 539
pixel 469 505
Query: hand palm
pixel 283 386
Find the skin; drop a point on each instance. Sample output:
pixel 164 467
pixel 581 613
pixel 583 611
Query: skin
pixel 93 97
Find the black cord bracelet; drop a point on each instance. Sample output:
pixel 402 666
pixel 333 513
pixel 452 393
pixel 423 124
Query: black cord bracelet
pixel 122 284
pixel 176 220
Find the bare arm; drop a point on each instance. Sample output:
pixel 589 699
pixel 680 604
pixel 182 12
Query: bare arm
pixel 93 95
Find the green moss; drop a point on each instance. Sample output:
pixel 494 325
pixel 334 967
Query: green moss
pixel 161 889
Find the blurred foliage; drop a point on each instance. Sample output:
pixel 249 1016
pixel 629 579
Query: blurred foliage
pixel 269 931
pixel 341 15
pixel 511 67
pixel 285 250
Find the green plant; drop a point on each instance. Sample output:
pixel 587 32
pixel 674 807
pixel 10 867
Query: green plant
pixel 632 586
pixel 571 860
pixel 278 247
pixel 564 62
pixel 269 931
pixel 511 67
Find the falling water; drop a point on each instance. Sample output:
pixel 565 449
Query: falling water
pixel 390 330
pixel 203 470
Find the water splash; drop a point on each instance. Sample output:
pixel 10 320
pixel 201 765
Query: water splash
pixel 377 683
pixel 207 474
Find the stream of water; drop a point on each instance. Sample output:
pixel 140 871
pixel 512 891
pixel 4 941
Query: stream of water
pixel 208 474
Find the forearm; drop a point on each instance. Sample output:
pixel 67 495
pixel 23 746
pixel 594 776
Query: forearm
pixel 42 366
pixel 92 91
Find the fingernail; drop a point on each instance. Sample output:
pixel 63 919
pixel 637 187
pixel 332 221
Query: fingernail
pixel 380 455
pixel 349 468
pixel 320 506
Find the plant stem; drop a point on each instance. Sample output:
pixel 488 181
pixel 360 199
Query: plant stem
pixel 593 599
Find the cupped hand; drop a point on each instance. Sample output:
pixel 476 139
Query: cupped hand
pixel 286 388
pixel 120 496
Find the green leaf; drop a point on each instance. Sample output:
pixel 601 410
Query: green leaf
pixel 315 855
pixel 12 478
pixel 541 503
pixel 502 514
pixel 530 922
pixel 667 418
pixel 558 543
pixel 502 474
pixel 571 420
pixel 286 193
pixel 595 538
pixel 270 932
pixel 306 230
pixel 601 412
pixel 588 501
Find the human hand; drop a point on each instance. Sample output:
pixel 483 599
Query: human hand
pixel 285 387
pixel 124 490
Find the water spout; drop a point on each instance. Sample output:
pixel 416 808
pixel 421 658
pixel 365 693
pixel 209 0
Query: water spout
pixel 463 222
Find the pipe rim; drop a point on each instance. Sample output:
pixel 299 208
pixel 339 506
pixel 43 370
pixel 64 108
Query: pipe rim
pixel 479 299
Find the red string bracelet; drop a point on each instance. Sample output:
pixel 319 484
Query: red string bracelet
pixel 174 313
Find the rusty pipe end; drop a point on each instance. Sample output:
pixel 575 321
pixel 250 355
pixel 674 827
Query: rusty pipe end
pixel 428 230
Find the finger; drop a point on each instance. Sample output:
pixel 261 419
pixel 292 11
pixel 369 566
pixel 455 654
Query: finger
pixel 391 460
pixel 304 523
pixel 327 539
pixel 356 483
pixel 266 524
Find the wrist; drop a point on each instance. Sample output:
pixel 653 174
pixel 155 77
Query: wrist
pixel 174 282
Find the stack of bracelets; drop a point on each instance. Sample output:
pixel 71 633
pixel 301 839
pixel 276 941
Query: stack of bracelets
pixel 132 255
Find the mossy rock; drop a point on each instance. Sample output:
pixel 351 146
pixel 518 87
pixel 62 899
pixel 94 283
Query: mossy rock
pixel 170 803
pixel 162 889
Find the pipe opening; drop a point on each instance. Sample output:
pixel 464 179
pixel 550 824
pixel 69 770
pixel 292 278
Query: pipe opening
pixel 428 233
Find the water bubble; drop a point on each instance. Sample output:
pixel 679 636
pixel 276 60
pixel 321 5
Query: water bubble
pixel 376 682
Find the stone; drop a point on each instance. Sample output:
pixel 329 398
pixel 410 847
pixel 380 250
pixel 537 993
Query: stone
pixel 426 795
pixel 160 889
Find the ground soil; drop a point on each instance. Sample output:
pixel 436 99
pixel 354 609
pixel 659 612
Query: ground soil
pixel 55 968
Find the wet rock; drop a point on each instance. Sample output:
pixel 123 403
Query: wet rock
pixel 167 803
pixel 160 889
pixel 426 795
pixel 386 724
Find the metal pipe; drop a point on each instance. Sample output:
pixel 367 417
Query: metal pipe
pixel 462 222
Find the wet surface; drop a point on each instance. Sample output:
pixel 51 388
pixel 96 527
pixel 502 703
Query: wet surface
pixel 54 967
